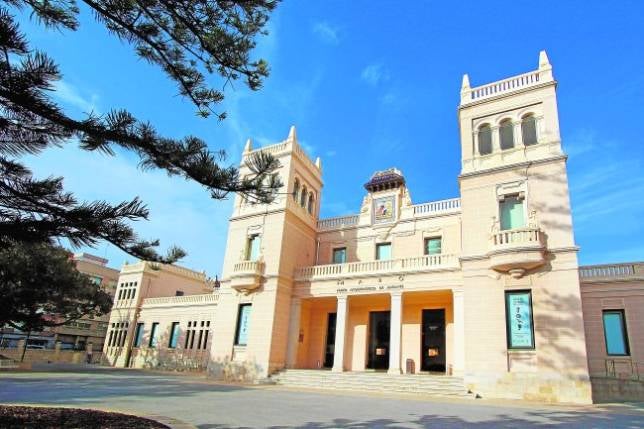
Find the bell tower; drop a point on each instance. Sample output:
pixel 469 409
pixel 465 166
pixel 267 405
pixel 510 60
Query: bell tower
pixel 518 241
pixel 265 243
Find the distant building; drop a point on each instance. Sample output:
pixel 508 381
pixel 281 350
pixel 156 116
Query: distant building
pixel 484 287
pixel 81 333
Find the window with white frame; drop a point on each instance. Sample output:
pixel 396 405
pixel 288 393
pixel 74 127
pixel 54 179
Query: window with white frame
pixel 252 247
pixel 511 212
pixel 485 139
pixel 529 130
pixel 506 134
pixel 433 246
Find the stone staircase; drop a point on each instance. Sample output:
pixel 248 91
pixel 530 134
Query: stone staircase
pixel 421 384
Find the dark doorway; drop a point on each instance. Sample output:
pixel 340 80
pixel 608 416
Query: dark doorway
pixel 433 341
pixel 379 340
pixel 329 350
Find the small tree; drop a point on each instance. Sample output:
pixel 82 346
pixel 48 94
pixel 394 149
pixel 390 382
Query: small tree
pixel 40 287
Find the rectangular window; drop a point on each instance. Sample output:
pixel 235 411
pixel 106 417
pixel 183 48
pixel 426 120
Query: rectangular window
pixel 340 255
pixel 433 246
pixel 174 335
pixel 138 335
pixel 383 251
pixel 615 333
pixel 243 320
pixel 205 340
pixel 511 212
pixel 185 346
pixel 153 335
pixel 518 313
pixel 252 249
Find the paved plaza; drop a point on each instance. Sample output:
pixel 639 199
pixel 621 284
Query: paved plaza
pixel 208 405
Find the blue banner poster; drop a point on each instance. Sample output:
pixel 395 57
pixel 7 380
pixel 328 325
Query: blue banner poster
pixel 519 313
pixel 244 319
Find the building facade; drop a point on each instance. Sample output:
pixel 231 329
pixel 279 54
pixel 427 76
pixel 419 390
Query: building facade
pixel 484 287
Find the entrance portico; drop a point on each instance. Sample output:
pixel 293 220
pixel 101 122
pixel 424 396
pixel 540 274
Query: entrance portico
pixel 382 332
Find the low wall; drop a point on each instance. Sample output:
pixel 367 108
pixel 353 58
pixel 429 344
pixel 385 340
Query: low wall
pixel 49 355
pixel 607 389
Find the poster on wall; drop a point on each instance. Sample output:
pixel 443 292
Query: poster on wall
pixel 242 329
pixel 383 209
pixel 519 320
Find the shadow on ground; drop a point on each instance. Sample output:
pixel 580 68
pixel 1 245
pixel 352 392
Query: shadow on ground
pixel 537 419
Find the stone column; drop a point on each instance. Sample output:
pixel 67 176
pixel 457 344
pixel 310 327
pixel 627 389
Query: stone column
pixel 293 333
pixel 458 303
pixel 395 333
pixel 340 329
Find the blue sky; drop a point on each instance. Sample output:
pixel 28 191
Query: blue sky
pixel 378 83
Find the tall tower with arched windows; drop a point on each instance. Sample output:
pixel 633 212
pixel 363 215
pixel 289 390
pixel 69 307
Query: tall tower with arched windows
pixel 518 243
pixel 265 244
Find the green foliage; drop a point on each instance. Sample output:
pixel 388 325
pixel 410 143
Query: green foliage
pixel 40 287
pixel 188 40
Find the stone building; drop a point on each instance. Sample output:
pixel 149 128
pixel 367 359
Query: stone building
pixel 482 289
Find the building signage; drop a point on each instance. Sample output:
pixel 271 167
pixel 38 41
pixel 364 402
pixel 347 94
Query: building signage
pixel 369 289
pixel 518 308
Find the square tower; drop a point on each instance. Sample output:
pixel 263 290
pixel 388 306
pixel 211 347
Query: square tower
pixel 265 244
pixel 518 245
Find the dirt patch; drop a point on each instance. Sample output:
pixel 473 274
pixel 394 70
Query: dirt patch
pixel 55 418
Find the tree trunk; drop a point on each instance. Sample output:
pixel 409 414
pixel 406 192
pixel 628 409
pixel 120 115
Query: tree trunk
pixel 24 348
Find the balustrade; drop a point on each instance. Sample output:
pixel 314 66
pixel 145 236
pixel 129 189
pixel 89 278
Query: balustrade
pixel 391 266
pixel 504 86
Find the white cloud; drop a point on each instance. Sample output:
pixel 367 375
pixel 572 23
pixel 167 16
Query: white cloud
pixel 181 212
pixel 330 153
pixel 373 74
pixel 70 95
pixel 326 32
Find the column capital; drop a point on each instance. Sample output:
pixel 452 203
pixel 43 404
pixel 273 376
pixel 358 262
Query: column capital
pixel 342 297
pixel 457 291
pixel 395 292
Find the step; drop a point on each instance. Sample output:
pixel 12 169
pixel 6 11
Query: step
pixel 431 385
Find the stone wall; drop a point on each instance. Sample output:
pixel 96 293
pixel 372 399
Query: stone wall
pixel 50 355
pixel 607 389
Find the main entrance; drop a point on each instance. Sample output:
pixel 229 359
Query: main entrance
pixel 433 341
pixel 329 349
pixel 379 340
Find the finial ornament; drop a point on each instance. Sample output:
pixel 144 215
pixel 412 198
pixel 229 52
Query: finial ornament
pixel 292 136
pixel 318 163
pixel 543 60
pixel 466 82
pixel 249 146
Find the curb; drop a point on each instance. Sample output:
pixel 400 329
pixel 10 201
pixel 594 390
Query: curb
pixel 171 422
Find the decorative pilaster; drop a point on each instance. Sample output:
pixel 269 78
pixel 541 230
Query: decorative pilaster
pixel 458 303
pixel 395 333
pixel 340 329
pixel 293 333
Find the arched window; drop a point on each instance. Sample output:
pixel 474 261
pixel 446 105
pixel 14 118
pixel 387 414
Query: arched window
pixel 311 200
pixel 303 197
pixel 296 189
pixel 529 130
pixel 485 139
pixel 506 134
